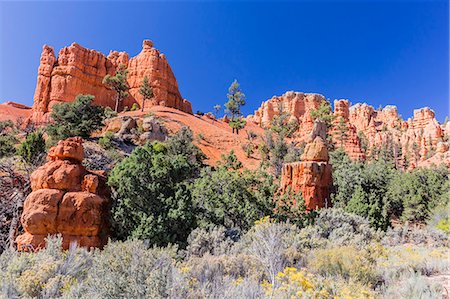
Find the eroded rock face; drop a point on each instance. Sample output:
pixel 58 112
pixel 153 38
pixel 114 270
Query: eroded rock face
pixel 362 130
pixel 297 104
pixel 136 129
pixel 67 199
pixel 344 133
pixel 311 176
pixel 78 70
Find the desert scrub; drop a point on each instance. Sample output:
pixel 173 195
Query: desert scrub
pixel 129 270
pixel 422 260
pixel 298 283
pixel 347 262
pixel 406 234
pixel 334 227
pixel 411 285
pixel 45 274
pixel 214 240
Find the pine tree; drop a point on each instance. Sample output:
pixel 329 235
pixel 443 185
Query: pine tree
pixel 146 91
pixel 342 130
pixel 236 99
pixel 118 83
pixel 216 110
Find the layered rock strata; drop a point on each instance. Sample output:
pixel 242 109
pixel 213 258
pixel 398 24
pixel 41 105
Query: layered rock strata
pixel 78 70
pixel 66 199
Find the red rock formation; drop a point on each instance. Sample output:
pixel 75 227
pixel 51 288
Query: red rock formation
pixel 311 176
pixel 151 63
pixel 297 104
pixel 366 128
pixel 67 199
pixel 344 133
pixel 78 70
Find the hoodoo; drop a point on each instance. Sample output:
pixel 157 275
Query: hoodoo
pixel 311 176
pixel 67 199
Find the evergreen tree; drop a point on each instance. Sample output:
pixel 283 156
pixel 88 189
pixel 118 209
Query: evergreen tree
pixel 342 130
pixel 118 83
pixel 323 113
pixel 146 91
pixel 78 118
pixel 151 189
pixel 216 110
pixel 236 99
pixel 33 148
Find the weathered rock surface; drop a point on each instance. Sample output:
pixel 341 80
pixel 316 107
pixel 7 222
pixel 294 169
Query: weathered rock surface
pixel 344 133
pixel 67 199
pixel 297 104
pixel 311 176
pixel 78 70
pixel 136 129
pixel 361 130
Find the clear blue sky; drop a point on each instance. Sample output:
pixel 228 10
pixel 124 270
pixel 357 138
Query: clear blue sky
pixel 379 52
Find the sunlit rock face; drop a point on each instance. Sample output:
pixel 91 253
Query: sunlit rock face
pixel 411 143
pixel 78 70
pixel 312 175
pixel 67 199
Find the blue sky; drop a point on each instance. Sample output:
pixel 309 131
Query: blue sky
pixel 379 52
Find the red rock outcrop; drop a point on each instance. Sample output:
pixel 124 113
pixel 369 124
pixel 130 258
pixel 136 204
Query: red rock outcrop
pixel 78 70
pixel 67 199
pixel 151 63
pixel 366 130
pixel 297 105
pixel 344 133
pixel 311 176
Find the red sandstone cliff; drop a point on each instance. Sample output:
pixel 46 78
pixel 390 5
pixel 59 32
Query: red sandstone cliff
pixel 78 70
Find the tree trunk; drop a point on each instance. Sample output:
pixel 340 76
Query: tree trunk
pixel 143 104
pixel 117 105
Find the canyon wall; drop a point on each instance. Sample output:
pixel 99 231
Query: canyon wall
pixel 78 70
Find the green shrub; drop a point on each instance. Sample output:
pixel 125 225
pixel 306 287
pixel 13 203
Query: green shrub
pixel 153 200
pixel 7 145
pixel 232 198
pixel 134 107
pixel 32 150
pixel 106 141
pixel 78 118
pixel 110 113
